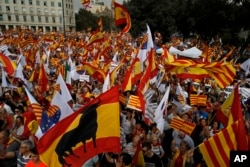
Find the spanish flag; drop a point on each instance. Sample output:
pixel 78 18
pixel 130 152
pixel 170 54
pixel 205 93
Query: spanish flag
pixel 97 36
pixel 9 65
pixel 122 16
pixel 93 129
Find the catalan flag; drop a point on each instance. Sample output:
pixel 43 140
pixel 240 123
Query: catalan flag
pixel 216 150
pixel 36 107
pixel 134 103
pixel 182 125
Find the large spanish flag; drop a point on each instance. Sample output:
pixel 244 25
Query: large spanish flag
pixel 89 131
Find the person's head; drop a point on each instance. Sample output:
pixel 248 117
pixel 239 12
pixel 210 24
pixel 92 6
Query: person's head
pixel 184 146
pixel 203 122
pixel 4 137
pixel 146 149
pixel 25 147
pixel 181 135
pixel 215 125
pixel 19 120
pixel 154 139
pixel 34 155
pixel 125 159
pixel 206 130
pixel 154 128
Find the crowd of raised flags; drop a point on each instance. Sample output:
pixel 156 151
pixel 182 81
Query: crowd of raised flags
pixel 52 70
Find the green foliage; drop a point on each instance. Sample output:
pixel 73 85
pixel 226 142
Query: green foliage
pixel 85 19
pixel 207 17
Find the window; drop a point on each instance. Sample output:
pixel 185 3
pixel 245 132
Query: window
pixel 22 2
pixel 31 10
pixel 24 18
pixel 17 18
pixel 32 18
pixel 45 10
pixel 53 4
pixel 39 19
pixel 14 1
pixel 6 1
pixel 38 3
pixel 53 11
pixel 7 8
pixel 46 19
pixel 59 11
pixel 1 17
pixel 0 8
pixel 60 19
pixel 53 19
pixel 30 2
pixel 59 4
pixel 44 3
pixel 15 8
pixel 9 17
pixel 38 10
pixel 24 9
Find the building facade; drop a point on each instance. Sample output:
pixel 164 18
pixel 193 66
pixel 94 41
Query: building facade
pixel 45 15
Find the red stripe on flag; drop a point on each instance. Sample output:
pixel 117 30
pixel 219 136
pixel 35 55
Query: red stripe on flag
pixel 220 147
pixel 211 153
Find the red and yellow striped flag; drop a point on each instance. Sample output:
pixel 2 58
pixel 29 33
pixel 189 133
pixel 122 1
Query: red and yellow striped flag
pixel 134 103
pixel 193 99
pixel 216 150
pixel 182 125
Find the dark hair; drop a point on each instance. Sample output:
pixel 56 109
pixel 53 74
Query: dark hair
pixel 126 158
pixel 147 145
pixel 34 151
pixel 21 118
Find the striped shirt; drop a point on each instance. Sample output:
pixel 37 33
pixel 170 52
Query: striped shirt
pixel 22 160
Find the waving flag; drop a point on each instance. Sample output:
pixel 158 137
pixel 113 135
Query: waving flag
pixel 216 150
pixel 97 36
pixel 182 125
pixel 9 65
pixel 122 16
pixel 49 118
pixel 42 80
pixel 160 111
pixel 63 88
pixel 93 129
pixel 85 4
pixel 36 107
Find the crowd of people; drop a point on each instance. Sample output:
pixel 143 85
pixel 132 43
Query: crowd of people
pixel 170 148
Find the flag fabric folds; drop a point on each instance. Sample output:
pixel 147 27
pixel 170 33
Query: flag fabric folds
pixel 216 150
pixel 122 16
pixel 182 125
pixel 97 36
pixel 9 65
pixel 91 130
